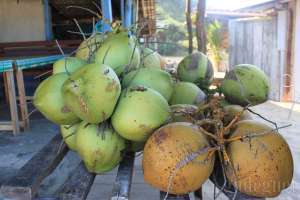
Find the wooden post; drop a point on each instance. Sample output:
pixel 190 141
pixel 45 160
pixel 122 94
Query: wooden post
pixel 12 102
pixel 22 98
pixel 128 14
pixel 200 26
pixel 189 24
pixel 107 15
pixel 5 89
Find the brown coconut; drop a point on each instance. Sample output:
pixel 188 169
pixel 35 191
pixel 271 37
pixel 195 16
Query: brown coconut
pixel 262 165
pixel 167 149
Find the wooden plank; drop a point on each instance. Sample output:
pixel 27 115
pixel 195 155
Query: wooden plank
pixel 22 98
pixel 250 41
pixel 122 185
pixel 36 48
pixel 6 126
pixel 173 197
pixel 39 43
pixel 232 45
pixel 257 40
pixel 5 89
pixel 78 185
pixel 254 42
pixel 12 101
pixel 24 185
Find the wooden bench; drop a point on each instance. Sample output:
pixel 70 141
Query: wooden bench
pixel 16 55
pixel 6 67
pixel 25 184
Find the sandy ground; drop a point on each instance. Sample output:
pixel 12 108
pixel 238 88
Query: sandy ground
pixel 16 151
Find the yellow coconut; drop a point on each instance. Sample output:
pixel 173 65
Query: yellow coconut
pixel 262 165
pixel 167 162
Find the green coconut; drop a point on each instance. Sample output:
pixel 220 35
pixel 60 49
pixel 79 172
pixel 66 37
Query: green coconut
pixel 139 112
pixel 68 133
pixel 230 111
pixel 150 59
pixel 99 146
pixel 67 64
pixel 92 92
pixel 187 93
pixel 86 50
pixel 119 51
pixel 245 84
pixel 156 79
pixel 48 99
pixel 196 68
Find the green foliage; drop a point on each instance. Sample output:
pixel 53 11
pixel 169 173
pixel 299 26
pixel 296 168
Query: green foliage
pixel 214 40
pixel 172 18
pixel 214 35
pixel 174 9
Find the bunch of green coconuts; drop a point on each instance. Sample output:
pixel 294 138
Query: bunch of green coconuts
pixel 115 93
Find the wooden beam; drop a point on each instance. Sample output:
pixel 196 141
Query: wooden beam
pixel 12 101
pixel 5 89
pixel 200 26
pixel 235 14
pixel 22 98
pixel 122 185
pixel 188 9
pixel 78 185
pixel 6 126
pixel 24 185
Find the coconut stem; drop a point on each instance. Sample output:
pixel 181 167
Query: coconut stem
pixel 190 157
pixel 264 118
pixel 98 7
pixel 79 28
pixel 42 74
pixel 59 47
pixel 33 111
pixel 232 123
pixel 252 135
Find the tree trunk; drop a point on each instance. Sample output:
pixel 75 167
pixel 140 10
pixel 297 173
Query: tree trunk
pixel 189 24
pixel 200 26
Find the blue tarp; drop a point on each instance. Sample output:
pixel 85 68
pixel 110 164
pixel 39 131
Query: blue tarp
pixel 6 65
pixel 36 62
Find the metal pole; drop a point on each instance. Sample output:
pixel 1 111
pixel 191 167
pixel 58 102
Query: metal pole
pixel 107 15
pixel 128 13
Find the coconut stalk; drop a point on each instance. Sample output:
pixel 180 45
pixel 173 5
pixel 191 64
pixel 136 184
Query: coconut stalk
pixel 189 24
pixel 200 26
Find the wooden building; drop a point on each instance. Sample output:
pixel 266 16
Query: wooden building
pixel 270 39
pixel 38 20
